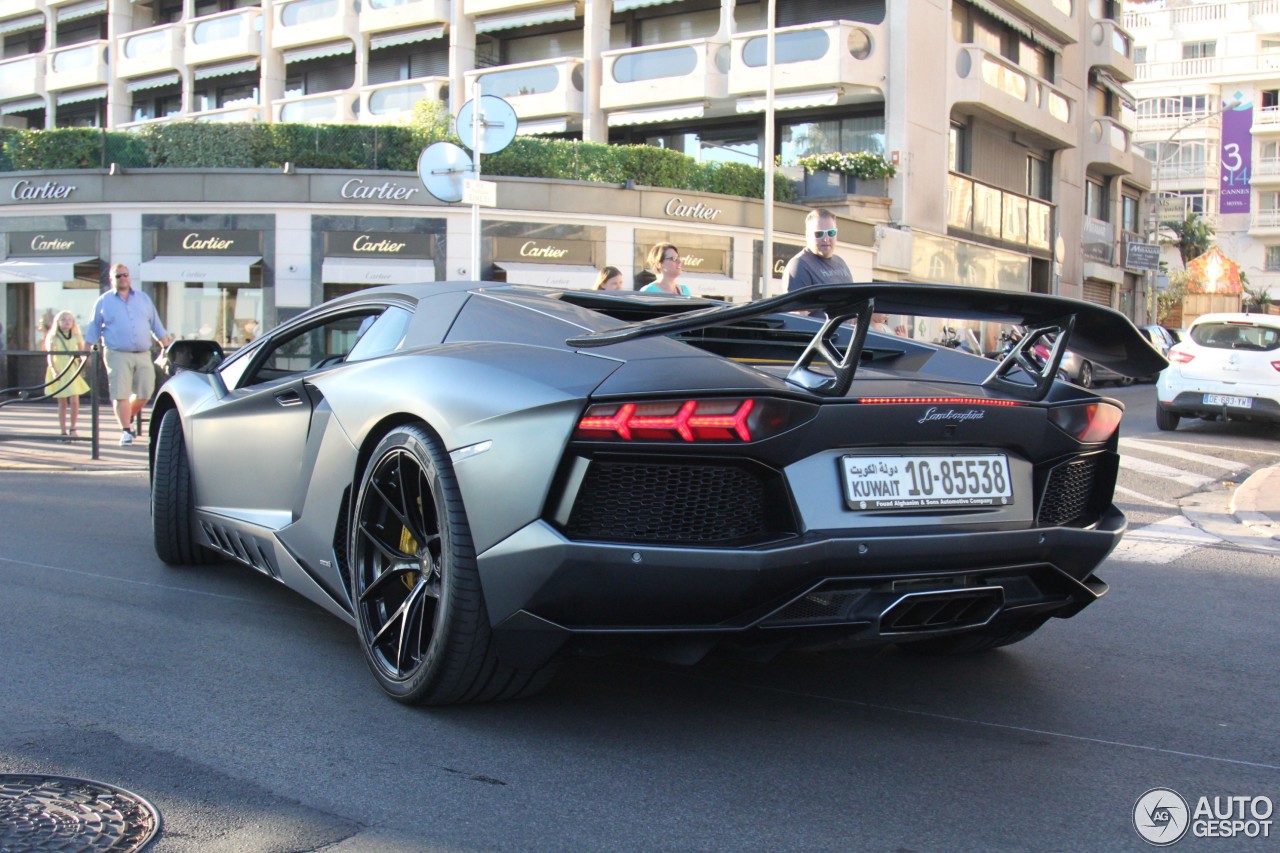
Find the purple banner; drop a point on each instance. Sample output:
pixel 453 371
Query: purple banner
pixel 1237 146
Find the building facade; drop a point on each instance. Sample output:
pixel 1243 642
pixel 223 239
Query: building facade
pixel 1208 90
pixel 1009 122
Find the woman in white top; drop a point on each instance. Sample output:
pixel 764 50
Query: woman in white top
pixel 664 260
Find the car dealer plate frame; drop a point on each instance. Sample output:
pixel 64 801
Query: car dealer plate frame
pixel 926 481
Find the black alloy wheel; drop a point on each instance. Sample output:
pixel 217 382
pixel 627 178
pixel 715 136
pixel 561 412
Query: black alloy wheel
pixel 419 607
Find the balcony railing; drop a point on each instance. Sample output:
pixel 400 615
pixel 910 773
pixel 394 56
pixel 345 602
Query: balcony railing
pixel 1269 218
pixel 546 89
pixel 1197 169
pixel 1265 171
pixel 380 15
pixel 1110 47
pixel 22 77
pixel 322 108
pixel 13 8
pixel 226 35
pixel 1110 145
pixel 988 211
pixel 83 64
pixel 386 102
pixel 149 51
pixel 1266 119
pixel 678 72
pixel 1212 67
pixel 1174 121
pixel 990 83
pixel 816 58
pixel 240 112
pixel 301 22
pixel 1055 15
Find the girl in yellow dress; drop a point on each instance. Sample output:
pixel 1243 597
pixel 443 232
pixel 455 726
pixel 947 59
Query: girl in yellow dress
pixel 65 338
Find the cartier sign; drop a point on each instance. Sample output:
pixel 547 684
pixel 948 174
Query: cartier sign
pixel 680 209
pixel 362 190
pixel 35 244
pixel 26 190
pixel 376 244
pixel 539 250
pixel 201 241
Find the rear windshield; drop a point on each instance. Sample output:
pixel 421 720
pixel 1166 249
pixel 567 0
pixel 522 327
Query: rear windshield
pixel 1232 336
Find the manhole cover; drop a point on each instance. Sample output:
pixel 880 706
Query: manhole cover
pixel 71 815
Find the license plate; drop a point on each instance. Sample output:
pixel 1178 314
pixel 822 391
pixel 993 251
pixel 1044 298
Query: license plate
pixel 1225 400
pixel 932 482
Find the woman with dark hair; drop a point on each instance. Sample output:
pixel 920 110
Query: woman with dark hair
pixel 610 278
pixel 664 260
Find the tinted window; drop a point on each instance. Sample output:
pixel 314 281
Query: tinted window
pixel 1232 336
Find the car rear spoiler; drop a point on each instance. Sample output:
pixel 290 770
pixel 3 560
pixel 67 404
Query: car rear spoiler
pixel 1102 335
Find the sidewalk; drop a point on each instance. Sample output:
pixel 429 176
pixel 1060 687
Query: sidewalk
pixel 30 440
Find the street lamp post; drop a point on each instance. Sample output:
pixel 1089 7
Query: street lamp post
pixel 1161 156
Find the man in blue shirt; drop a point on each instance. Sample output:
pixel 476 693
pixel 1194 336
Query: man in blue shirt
pixel 125 321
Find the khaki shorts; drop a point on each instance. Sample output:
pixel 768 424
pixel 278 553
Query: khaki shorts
pixel 130 374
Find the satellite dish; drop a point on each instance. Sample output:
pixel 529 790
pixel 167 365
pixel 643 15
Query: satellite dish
pixel 442 166
pixel 498 124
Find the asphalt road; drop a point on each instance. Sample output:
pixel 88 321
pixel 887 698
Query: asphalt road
pixel 248 717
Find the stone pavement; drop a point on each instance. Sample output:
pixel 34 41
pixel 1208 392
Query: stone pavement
pixel 30 440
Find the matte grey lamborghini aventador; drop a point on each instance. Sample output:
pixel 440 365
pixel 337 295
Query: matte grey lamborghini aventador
pixel 481 477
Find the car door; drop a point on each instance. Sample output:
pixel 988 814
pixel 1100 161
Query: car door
pixel 254 449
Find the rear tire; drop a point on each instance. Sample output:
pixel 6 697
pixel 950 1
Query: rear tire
pixel 1086 375
pixel 172 502
pixel 420 611
pixel 1166 420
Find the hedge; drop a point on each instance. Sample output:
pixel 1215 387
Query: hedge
pixel 229 145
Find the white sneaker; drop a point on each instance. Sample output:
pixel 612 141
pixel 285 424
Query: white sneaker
pixel 126 438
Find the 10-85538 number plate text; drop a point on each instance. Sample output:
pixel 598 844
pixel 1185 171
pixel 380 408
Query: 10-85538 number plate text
pixel 934 481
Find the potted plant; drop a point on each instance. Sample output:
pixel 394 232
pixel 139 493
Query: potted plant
pixel 835 173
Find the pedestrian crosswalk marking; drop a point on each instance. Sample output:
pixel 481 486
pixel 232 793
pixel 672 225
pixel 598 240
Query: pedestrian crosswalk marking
pixel 1143 466
pixel 1130 493
pixel 1163 541
pixel 1177 452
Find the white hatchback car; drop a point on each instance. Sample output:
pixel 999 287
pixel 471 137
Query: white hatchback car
pixel 1228 368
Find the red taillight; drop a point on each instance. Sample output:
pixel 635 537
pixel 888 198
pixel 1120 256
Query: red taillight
pixel 1088 424
pixel 1276 365
pixel 687 420
pixel 1179 355
pixel 936 401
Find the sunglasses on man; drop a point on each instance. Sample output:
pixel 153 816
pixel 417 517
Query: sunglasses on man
pixel 830 232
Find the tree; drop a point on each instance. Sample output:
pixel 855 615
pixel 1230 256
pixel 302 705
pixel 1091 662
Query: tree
pixel 1194 237
pixel 1171 296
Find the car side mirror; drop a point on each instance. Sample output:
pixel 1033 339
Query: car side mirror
pixel 200 356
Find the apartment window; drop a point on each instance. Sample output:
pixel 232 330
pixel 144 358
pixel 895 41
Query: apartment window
pixel 1140 55
pixel 1199 49
pixel 1269 151
pixel 1270 98
pixel 77 31
pixel 156 103
pixel 409 62
pixel 958 148
pixel 738 144
pixel 1129 214
pixel 860 133
pixel 679 27
pixel 232 93
pixel 1037 177
pixel 1095 200
pixel 321 75
pixel 1035 59
pixel 24 43
pixel 1269 201
pixel 1273 259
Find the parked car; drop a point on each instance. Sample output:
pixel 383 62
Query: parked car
pixel 1088 373
pixel 479 477
pixel 1227 369
pixel 1178 335
pixel 1160 337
